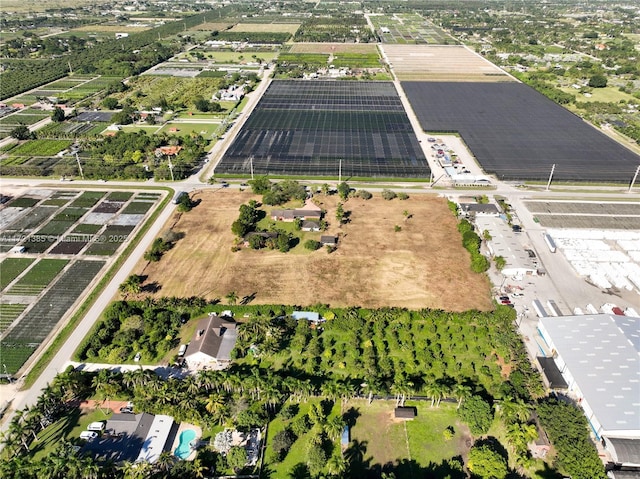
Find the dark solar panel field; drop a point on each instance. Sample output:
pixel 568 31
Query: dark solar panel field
pixel 307 127
pixel 518 134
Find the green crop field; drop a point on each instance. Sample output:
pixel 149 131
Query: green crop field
pixel 38 277
pixel 41 148
pixel 13 355
pixel 9 312
pixel 11 268
pixel 87 199
pixel 22 119
pixel 356 60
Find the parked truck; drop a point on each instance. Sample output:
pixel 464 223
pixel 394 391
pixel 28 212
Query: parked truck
pixel 550 243
pixel 537 306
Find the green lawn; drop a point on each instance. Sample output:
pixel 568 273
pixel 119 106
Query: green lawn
pixel 11 268
pixel 608 94
pixel 184 129
pixel 387 440
pixel 68 428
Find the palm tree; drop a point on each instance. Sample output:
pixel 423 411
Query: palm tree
pixel 520 435
pixel 513 410
pixel 334 427
pixel 165 462
pixel 337 465
pixel 215 404
pixel 132 285
pixel 436 391
pixel 461 392
pixel 231 297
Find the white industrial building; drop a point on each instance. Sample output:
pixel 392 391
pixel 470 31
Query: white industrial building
pixel 506 243
pixel 598 356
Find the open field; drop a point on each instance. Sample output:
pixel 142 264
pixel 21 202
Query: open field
pixel 391 441
pixel 266 27
pixel 423 265
pixel 334 48
pixel 441 63
pixel 111 28
pixel 409 28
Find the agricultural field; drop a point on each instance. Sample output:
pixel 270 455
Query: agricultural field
pixel 416 267
pixel 312 128
pixel 334 48
pixel 265 27
pixel 409 28
pixel 147 91
pixel 85 226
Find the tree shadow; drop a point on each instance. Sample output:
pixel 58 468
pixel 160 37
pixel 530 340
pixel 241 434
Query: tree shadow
pixel 151 288
pixel 547 473
pixel 355 456
pixel 247 299
pixel 351 416
pixel 299 471
pixel 493 444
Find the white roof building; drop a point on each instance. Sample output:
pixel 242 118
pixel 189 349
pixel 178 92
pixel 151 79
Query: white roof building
pixel 156 439
pixel 598 355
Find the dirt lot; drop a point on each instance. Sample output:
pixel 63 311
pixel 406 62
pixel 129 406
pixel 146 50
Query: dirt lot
pixel 423 265
pixel 330 48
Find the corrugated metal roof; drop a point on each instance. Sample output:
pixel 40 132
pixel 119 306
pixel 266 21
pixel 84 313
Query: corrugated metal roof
pixel 602 353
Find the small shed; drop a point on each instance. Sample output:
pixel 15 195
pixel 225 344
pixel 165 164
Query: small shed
pixel 308 315
pixel 329 240
pixel 406 413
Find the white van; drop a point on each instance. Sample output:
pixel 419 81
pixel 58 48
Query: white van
pixel 88 435
pixel 183 349
pixel 96 426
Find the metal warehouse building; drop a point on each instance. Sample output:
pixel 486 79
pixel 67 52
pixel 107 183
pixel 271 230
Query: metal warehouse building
pixel 598 356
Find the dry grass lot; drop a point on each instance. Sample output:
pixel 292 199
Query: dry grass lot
pixel 330 48
pixel 266 27
pixel 441 63
pixel 423 265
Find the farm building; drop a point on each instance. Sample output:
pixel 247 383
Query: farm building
pixel 405 412
pixel 308 315
pixel 212 342
pixel 310 211
pixel 597 355
pixel 475 209
pixel 328 240
pixel 518 262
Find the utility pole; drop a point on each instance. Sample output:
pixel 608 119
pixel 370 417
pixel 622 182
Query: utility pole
pixel 171 168
pixel 553 168
pixel 635 175
pixel 79 166
pixel 340 172
pixel 251 164
pixel 70 69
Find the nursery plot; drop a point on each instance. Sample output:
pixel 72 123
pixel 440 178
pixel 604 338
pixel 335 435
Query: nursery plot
pixel 70 244
pixel 40 320
pixel 108 206
pixel 310 127
pixel 35 217
pixel 137 207
pixel 110 240
pixel 11 269
pixel 518 134
pixel 38 277
pixel 8 313
pixel 88 199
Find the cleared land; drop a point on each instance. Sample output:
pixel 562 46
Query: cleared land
pixel 423 265
pixel 266 27
pixel 330 48
pixel 441 63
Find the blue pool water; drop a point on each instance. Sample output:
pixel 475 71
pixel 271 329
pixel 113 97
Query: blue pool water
pixel 184 449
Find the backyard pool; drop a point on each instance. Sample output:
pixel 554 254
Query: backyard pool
pixel 184 447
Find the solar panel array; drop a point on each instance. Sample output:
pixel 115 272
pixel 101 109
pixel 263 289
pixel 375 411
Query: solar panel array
pixel 518 134
pixel 307 128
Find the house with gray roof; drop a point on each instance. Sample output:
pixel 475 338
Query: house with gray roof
pixel 212 343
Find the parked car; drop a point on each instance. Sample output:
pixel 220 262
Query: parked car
pixel 505 301
pixel 517 295
pixel 126 410
pixel 97 426
pixel 88 435
pixel 504 298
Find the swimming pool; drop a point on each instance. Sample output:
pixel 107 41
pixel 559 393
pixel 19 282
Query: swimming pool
pixel 184 447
